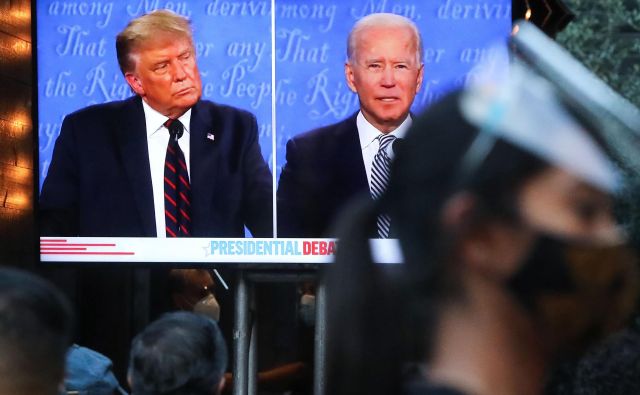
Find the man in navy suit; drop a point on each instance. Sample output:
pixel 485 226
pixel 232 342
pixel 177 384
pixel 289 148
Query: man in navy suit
pixel 329 166
pixel 106 176
pixel 108 173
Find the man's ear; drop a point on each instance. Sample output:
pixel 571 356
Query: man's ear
pixel 348 74
pixel 134 83
pixel 420 77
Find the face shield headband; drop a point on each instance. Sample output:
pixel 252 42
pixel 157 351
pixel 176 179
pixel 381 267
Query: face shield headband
pixel 577 290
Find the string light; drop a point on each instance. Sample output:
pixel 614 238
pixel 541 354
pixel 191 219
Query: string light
pixel 16 195
pixel 22 48
pixel 21 14
pixel 527 14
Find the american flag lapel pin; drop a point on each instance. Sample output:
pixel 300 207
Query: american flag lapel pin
pixel 211 137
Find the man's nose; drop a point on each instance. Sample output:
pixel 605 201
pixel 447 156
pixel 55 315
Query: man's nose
pixel 388 77
pixel 179 72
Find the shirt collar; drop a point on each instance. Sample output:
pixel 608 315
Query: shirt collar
pixel 368 133
pixel 155 121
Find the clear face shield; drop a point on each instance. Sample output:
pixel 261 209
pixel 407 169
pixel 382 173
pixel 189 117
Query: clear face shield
pixel 577 289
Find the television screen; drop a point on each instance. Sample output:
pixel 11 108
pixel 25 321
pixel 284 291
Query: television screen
pixel 280 60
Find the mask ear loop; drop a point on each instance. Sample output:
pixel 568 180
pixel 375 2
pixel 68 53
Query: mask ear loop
pixel 480 147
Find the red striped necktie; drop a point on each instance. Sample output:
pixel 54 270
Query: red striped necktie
pixel 177 190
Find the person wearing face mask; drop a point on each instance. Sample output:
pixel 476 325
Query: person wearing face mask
pixel 512 258
pixel 193 290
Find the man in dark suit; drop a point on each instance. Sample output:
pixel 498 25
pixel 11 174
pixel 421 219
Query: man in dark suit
pixel 329 166
pixel 161 164
pixel 107 172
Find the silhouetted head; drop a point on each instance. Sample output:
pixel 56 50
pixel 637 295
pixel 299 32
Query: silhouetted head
pixel 36 324
pixel 180 353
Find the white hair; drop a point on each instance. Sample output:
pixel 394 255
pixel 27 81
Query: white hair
pixel 382 20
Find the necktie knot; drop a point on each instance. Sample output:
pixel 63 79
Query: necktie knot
pixel 385 140
pixel 175 128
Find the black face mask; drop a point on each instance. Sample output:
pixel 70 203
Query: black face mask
pixel 577 291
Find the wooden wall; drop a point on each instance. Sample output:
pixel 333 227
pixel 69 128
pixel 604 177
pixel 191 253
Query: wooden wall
pixel 17 231
pixel 104 315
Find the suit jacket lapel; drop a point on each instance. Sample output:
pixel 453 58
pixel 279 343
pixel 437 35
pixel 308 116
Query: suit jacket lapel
pixel 204 157
pixel 351 167
pixel 132 139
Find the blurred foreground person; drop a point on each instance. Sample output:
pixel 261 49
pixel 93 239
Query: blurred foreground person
pixel 512 258
pixel 90 373
pixel 612 368
pixel 180 353
pixel 36 324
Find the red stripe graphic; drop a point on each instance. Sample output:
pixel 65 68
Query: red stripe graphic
pixel 77 245
pixel 88 253
pixel 62 247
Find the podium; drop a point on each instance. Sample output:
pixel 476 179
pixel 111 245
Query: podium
pixel 256 260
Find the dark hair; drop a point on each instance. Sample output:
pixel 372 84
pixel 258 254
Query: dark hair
pixel 379 315
pixel 181 353
pixel 36 323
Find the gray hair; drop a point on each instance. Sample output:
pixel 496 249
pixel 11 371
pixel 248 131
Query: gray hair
pixel 382 20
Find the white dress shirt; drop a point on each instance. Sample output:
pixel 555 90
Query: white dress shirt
pixel 157 140
pixel 370 144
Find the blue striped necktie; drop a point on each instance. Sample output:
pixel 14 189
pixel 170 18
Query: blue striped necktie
pixel 177 190
pixel 380 170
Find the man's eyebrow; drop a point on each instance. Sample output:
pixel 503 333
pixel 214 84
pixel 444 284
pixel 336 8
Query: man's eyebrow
pixel 159 62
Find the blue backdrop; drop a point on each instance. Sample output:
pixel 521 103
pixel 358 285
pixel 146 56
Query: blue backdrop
pixel 77 65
